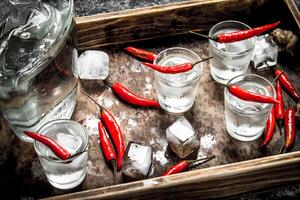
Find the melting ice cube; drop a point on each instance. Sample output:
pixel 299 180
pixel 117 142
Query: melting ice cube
pixel 93 65
pixel 182 137
pixel 137 161
pixel 265 52
pixel 70 142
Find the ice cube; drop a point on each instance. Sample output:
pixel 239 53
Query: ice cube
pixel 93 65
pixel 69 141
pixel 182 138
pixel 137 162
pixel 265 52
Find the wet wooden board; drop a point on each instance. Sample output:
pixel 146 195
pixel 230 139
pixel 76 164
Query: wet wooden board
pixel 238 167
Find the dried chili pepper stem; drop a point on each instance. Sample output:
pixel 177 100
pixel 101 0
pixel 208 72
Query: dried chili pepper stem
pixel 239 35
pixel 129 97
pixel 245 95
pixel 175 69
pixel 91 98
pixel 194 163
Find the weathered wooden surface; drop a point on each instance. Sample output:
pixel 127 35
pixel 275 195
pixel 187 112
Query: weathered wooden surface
pixel 142 125
pixel 294 10
pixel 158 21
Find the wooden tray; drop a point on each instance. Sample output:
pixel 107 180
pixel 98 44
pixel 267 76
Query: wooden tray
pixel 239 166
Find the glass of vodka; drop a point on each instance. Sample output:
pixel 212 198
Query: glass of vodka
pixel 229 59
pixel 176 92
pixel 64 174
pixel 246 120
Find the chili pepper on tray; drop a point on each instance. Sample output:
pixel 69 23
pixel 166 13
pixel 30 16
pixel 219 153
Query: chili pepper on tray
pixel 279 108
pixel 185 164
pixel 289 127
pixel 113 129
pixel 250 96
pixel 239 35
pixel 270 127
pixel 131 98
pixel 175 69
pixel 56 148
pixel 107 148
pixel 115 133
pixel 142 54
pixel 286 84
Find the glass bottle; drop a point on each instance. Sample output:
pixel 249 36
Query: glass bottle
pixel 37 54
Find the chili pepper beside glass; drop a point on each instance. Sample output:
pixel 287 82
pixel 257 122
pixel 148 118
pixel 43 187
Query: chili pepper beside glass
pixel 131 98
pixel 270 127
pixel 229 59
pixel 114 130
pixel 142 54
pixel 107 148
pixel 176 92
pixel 236 36
pixel 245 120
pixel 289 127
pixel 64 174
pixel 175 69
pixel 286 84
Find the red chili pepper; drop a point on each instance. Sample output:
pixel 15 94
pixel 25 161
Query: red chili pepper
pixel 289 127
pixel 279 108
pixel 185 164
pixel 239 35
pixel 107 148
pixel 142 54
pixel 250 96
pixel 286 84
pixel 114 130
pixel 115 133
pixel 177 168
pixel 175 69
pixel 57 149
pixel 130 97
pixel 270 127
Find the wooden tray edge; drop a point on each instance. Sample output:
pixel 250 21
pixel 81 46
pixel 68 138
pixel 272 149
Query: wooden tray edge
pixel 294 10
pixel 213 182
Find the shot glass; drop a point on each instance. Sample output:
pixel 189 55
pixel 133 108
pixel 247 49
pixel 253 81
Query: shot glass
pixel 245 120
pixel 176 92
pixel 229 59
pixel 64 174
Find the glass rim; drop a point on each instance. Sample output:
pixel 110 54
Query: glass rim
pixel 54 122
pixel 184 49
pixel 267 108
pixel 253 39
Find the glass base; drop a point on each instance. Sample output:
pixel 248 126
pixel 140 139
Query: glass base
pixel 244 138
pixel 70 185
pixel 175 110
